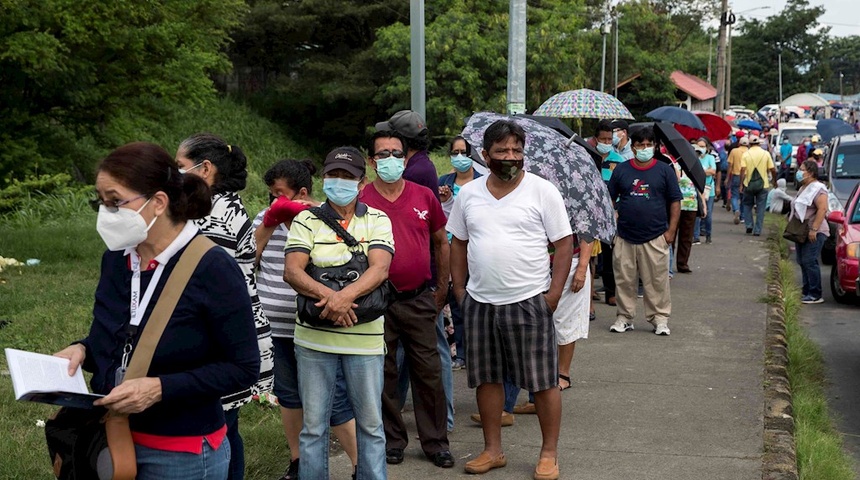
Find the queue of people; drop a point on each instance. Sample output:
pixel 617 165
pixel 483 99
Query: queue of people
pixel 436 240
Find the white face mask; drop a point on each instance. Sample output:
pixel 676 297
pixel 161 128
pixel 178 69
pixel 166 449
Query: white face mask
pixel 122 229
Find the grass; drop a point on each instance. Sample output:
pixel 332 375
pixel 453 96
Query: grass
pixel 820 454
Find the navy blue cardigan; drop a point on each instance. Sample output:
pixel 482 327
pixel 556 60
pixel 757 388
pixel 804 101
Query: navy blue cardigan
pixel 209 348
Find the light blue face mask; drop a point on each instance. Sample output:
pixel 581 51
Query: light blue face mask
pixel 390 169
pixel 616 139
pixel 340 191
pixel 461 163
pixel 604 148
pixel 798 175
pixel 645 154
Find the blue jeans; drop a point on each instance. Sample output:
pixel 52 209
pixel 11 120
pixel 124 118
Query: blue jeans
pixel 708 221
pixel 511 393
pixel 237 446
pixel 760 201
pixel 317 381
pixel 447 374
pixel 807 258
pixel 671 261
pixel 736 194
pixel 155 464
pixel 287 382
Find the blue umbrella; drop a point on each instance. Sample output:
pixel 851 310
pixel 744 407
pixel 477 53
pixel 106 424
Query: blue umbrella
pixel 749 124
pixel 833 127
pixel 677 115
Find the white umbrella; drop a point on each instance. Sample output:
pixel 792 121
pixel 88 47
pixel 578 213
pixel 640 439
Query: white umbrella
pixel 805 100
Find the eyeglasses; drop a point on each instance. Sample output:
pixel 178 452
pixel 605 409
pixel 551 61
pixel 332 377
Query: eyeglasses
pixel 111 205
pixel 389 153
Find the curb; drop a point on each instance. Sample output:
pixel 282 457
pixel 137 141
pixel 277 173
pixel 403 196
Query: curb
pixel 780 456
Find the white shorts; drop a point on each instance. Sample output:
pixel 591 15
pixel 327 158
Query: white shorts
pixel 571 316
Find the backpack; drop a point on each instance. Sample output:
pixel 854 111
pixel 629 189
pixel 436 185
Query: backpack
pixel 756 183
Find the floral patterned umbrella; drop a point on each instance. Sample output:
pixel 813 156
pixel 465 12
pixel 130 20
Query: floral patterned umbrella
pixel 583 103
pixel 566 165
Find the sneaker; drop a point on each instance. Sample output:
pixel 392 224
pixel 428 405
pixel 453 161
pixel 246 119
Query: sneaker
pixel 708 239
pixel 809 299
pixel 737 219
pixel 620 326
pixel 696 241
pixel 661 329
pixel 458 364
pixel 749 231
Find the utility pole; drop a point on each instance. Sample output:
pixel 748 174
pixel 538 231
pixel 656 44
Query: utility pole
pixel 780 80
pixel 416 50
pixel 710 54
pixel 604 31
pixel 720 104
pixel 615 15
pixel 728 97
pixel 517 57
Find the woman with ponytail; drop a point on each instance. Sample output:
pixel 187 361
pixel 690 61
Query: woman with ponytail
pixel 224 168
pixel 146 217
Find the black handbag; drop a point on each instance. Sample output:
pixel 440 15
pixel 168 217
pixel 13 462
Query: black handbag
pixel 370 306
pixel 796 231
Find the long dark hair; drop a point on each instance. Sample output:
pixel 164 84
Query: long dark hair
pixel 229 159
pixel 147 168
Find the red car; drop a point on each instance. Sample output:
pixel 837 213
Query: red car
pixel 844 280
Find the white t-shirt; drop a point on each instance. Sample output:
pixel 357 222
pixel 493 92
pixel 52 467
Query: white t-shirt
pixel 507 252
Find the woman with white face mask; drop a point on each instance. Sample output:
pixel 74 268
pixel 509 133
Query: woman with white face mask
pixel 224 168
pixel 146 212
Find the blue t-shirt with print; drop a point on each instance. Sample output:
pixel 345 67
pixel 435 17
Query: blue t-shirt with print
pixel 642 197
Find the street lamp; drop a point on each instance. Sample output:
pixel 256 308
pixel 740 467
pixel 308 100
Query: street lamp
pixel 841 96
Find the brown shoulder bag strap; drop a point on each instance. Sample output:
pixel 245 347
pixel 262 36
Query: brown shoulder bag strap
pixel 142 356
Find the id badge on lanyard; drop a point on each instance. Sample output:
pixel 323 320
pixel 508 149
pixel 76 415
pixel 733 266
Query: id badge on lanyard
pixel 137 307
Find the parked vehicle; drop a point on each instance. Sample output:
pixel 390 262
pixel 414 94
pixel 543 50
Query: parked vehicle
pixel 844 274
pixel 792 112
pixel 795 131
pixel 842 172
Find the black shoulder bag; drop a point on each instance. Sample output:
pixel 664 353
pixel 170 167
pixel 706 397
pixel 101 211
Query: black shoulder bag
pixel 370 306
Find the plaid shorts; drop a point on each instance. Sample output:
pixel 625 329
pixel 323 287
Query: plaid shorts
pixel 514 342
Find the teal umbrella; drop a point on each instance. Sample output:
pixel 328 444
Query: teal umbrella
pixel 583 103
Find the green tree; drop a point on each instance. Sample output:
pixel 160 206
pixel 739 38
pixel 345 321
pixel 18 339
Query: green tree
pixel 796 33
pixel 306 64
pixel 843 56
pixel 68 68
pixel 466 57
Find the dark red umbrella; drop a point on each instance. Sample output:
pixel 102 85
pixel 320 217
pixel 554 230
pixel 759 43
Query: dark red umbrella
pixel 716 128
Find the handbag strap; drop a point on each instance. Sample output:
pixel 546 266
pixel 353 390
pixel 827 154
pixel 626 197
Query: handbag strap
pixel 140 360
pixel 334 225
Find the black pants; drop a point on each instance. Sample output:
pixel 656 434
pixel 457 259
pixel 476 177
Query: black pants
pixel 607 274
pixel 412 323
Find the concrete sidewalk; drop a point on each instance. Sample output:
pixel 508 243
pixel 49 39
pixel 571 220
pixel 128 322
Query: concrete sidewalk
pixel 687 406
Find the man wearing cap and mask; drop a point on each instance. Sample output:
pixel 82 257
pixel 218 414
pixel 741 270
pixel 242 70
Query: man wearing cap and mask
pixel 419 168
pixel 756 163
pixel 620 140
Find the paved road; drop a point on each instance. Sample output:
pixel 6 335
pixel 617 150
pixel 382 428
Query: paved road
pixel 687 406
pixel 836 328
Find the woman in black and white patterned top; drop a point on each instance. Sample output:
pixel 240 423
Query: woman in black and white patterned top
pixel 224 168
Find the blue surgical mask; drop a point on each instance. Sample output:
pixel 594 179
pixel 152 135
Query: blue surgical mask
pixel 461 163
pixel 604 148
pixel 798 176
pixel 645 154
pixel 390 169
pixel 340 191
pixel 616 139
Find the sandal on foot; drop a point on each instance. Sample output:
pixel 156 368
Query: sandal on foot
pixel 566 379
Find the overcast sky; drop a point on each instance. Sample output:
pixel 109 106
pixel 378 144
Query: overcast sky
pixel 842 16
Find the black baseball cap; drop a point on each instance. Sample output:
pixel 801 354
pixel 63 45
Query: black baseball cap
pixel 345 158
pixel 618 123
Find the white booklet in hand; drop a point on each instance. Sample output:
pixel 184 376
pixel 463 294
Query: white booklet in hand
pixel 44 378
